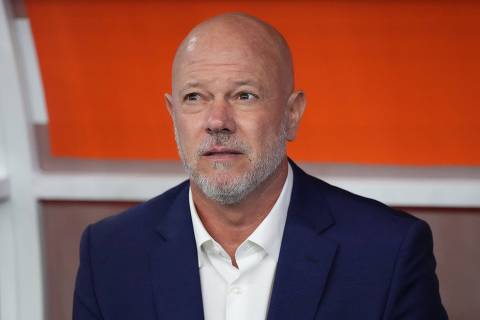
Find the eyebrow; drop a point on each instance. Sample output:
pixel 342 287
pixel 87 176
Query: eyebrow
pixel 191 84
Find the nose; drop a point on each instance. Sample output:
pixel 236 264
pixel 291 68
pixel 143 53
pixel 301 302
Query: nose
pixel 220 118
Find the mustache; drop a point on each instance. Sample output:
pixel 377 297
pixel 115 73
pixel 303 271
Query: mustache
pixel 220 139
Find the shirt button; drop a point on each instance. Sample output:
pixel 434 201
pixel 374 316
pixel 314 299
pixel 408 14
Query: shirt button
pixel 235 290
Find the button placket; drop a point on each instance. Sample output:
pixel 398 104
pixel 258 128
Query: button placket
pixel 235 302
pixel 235 290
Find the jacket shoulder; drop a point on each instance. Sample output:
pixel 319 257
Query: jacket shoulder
pixel 139 218
pixel 358 215
pixel 354 206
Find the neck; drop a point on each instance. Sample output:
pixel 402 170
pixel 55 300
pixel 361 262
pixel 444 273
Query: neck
pixel 230 225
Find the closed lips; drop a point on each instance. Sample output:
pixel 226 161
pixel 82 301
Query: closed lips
pixel 221 151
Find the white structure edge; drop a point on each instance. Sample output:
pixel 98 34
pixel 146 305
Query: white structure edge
pixel 401 192
pixel 21 277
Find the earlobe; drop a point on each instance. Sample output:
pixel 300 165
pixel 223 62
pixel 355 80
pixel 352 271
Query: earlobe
pixel 296 107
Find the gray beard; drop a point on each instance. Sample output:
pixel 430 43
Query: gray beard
pixel 234 190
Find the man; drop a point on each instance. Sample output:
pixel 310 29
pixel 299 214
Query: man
pixel 250 235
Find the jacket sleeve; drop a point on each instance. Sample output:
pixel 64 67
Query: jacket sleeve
pixel 414 292
pixel 85 305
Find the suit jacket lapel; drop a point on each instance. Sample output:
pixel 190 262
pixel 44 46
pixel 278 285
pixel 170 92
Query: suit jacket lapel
pixel 305 256
pixel 174 264
pixel 302 270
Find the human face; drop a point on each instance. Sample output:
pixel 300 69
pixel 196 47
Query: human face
pixel 229 113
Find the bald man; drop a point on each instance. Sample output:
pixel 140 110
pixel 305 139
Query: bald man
pixel 250 235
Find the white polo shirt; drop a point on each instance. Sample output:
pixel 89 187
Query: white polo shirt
pixel 239 294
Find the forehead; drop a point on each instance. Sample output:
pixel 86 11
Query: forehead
pixel 237 66
pixel 227 52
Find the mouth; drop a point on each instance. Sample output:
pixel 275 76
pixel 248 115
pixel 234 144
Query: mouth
pixel 221 152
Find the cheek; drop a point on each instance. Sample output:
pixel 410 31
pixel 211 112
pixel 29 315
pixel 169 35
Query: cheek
pixel 259 132
pixel 187 135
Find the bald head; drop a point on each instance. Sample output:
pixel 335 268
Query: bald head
pixel 231 37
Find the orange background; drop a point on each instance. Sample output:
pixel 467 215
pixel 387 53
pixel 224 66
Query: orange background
pixel 387 82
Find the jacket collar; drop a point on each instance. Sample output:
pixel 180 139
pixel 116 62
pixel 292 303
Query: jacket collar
pixel 305 256
pixel 174 263
pixel 302 269
pixel 307 203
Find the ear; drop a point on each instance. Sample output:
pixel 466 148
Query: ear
pixel 295 106
pixel 169 103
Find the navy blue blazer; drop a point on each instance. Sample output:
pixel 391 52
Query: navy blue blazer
pixel 342 257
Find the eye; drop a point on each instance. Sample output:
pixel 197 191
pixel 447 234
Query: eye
pixel 247 96
pixel 194 96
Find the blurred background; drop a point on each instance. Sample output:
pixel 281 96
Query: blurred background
pixel 393 114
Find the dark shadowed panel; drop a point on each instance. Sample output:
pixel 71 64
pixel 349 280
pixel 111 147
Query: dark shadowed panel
pixel 456 236
pixel 63 223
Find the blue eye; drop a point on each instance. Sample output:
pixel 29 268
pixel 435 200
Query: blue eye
pixel 247 96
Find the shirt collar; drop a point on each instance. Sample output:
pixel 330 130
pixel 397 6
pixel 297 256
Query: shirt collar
pixel 201 234
pixel 267 235
pixel 269 232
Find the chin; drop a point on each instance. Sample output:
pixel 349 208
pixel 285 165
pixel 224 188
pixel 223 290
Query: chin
pixel 222 177
pixel 222 165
